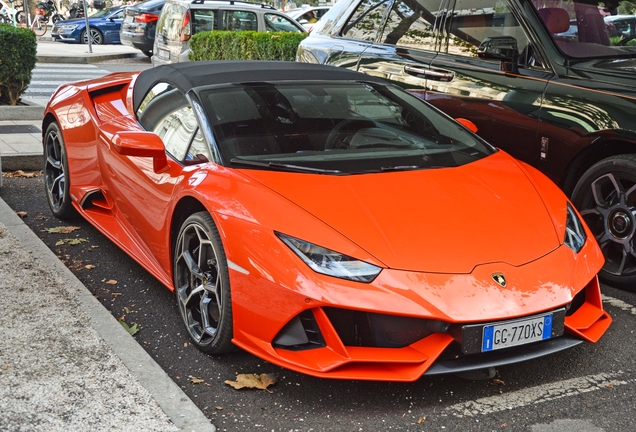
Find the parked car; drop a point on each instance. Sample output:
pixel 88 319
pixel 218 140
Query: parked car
pixel 624 25
pixel 104 28
pixel 140 24
pixel 180 19
pixel 308 16
pixel 324 220
pixel 567 106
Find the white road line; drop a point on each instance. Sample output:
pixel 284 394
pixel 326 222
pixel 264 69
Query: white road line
pixel 538 394
pixel 619 304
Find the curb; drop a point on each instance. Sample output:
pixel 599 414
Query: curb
pixel 24 162
pixel 27 111
pixel 173 401
pixel 86 59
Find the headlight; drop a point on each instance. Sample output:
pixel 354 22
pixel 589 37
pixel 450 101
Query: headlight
pixel 69 27
pixel 329 262
pixel 574 232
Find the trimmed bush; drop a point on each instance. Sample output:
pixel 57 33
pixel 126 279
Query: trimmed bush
pixel 18 54
pixel 245 45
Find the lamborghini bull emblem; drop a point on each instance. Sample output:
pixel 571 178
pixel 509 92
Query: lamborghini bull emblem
pixel 499 278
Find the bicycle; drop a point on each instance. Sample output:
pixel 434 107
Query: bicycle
pixel 39 22
pixel 11 15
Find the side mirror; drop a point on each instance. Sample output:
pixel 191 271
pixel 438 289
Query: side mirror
pixel 142 144
pixel 502 48
pixel 303 21
pixel 467 123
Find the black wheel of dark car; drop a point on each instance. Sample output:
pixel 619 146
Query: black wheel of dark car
pixel 96 37
pixel 56 180
pixel 202 284
pixel 606 198
pixel 337 138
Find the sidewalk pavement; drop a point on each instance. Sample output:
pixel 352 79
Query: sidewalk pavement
pixel 66 364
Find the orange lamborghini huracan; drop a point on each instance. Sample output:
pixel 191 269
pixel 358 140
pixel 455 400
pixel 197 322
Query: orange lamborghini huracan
pixel 324 220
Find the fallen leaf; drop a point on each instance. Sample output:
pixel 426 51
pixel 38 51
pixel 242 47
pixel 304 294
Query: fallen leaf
pixel 497 381
pixel 22 214
pixel 185 344
pixel 111 282
pixel 20 173
pixel 62 229
pixel 115 294
pixel 420 420
pixel 610 386
pixel 261 381
pixel 195 380
pixel 5 367
pixel 71 241
pixel 219 408
pixel 89 266
pixel 133 329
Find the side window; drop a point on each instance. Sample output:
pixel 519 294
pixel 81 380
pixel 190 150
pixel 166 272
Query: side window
pixel 203 20
pixel 473 21
pixel 275 22
pixel 171 22
pixel 410 24
pixel 236 20
pixel 366 20
pixel 166 112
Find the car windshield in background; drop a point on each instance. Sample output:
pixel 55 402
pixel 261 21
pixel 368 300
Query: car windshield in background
pixel 588 29
pixel 334 128
pixel 104 12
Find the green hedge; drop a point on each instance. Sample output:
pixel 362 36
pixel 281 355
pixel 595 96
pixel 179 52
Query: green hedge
pixel 245 45
pixel 18 54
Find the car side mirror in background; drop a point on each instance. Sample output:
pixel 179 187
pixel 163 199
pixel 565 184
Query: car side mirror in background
pixel 142 144
pixel 468 124
pixel 502 48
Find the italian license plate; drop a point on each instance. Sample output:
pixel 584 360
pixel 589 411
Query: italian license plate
pixel 163 54
pixel 128 18
pixel 518 332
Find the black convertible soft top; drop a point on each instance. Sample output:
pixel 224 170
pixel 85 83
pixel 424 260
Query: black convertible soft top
pixel 187 75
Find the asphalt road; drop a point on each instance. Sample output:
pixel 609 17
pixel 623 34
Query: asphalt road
pixel 587 388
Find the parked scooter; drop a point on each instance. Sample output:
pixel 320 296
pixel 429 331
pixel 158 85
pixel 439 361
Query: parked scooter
pixel 76 10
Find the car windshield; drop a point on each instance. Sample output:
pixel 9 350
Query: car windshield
pixel 104 12
pixel 590 29
pixel 334 127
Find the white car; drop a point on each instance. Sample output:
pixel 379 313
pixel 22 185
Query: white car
pixel 308 16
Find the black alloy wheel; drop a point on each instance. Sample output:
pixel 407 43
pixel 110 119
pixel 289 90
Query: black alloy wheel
pixel 56 180
pixel 202 285
pixel 606 198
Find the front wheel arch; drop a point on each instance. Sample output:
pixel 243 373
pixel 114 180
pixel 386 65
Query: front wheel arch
pixel 599 150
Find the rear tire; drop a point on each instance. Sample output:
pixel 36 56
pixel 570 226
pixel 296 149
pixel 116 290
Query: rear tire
pixel 56 179
pixel 606 198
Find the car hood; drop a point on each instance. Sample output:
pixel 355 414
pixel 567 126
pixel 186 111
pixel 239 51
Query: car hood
pixel 445 220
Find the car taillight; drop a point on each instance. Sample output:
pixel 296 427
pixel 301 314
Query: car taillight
pixel 185 28
pixel 146 18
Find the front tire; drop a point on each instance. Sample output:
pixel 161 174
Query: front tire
pixel 202 285
pixel 606 198
pixel 56 180
pixel 96 37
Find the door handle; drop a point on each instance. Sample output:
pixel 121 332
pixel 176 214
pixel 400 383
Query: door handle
pixel 437 75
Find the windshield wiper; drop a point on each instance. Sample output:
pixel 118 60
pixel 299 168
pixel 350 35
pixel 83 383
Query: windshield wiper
pixel 295 168
pixel 402 168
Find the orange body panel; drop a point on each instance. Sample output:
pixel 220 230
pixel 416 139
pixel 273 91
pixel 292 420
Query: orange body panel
pixel 439 235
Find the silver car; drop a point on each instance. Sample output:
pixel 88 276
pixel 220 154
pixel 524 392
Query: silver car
pixel 180 19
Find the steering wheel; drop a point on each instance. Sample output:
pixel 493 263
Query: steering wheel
pixel 346 125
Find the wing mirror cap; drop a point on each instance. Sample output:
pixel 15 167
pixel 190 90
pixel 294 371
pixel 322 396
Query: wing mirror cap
pixel 142 144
